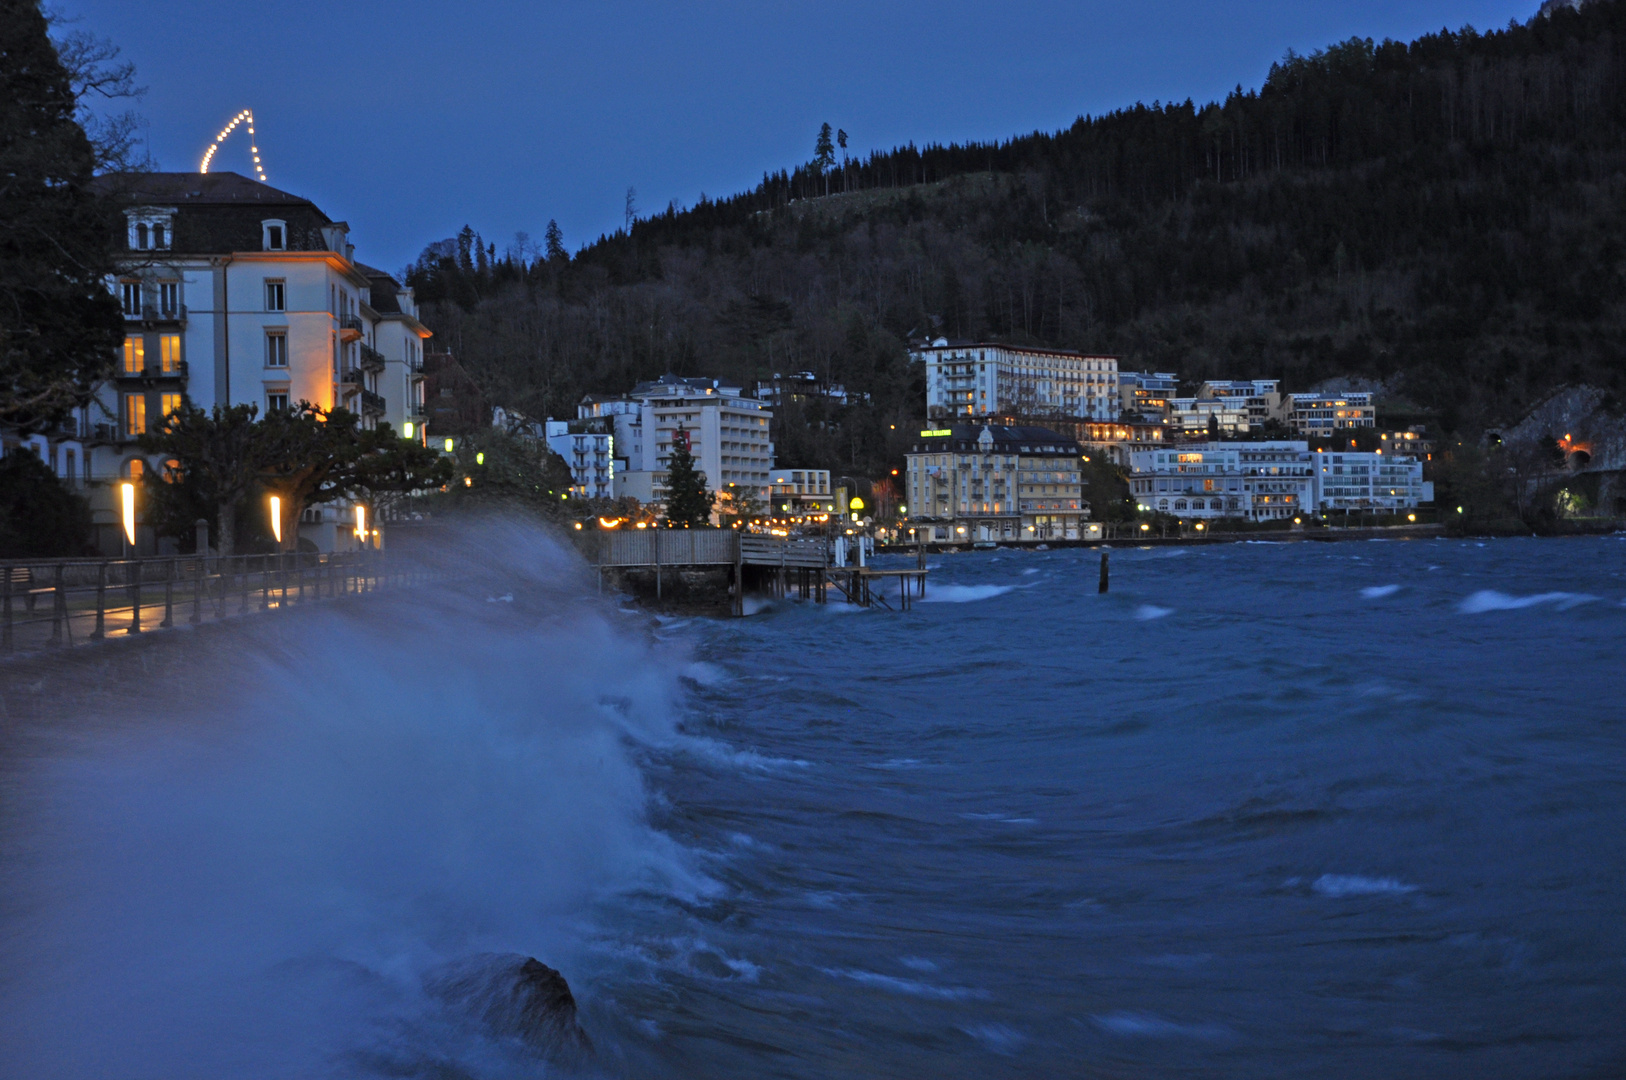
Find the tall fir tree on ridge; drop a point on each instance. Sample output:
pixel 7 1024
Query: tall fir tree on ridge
pixel 688 500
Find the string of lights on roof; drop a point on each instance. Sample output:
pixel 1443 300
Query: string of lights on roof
pixel 244 117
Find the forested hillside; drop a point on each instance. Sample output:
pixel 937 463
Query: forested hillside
pixel 1448 215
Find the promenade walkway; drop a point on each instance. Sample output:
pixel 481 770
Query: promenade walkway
pixel 59 603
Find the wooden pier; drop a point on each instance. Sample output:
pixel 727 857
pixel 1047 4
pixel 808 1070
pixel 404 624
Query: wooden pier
pixel 778 565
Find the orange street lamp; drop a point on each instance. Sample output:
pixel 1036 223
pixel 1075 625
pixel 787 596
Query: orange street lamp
pixel 276 518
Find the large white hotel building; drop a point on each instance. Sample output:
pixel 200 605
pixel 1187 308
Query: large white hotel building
pixel 978 380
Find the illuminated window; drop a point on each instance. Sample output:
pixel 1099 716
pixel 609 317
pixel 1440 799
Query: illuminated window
pixel 135 414
pixel 276 348
pixel 169 353
pixel 168 404
pixel 134 469
pixel 172 471
pixel 275 296
pixel 135 355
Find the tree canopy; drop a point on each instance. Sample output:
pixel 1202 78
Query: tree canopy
pixel 59 325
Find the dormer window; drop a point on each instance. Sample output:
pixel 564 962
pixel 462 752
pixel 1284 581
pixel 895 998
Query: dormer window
pixel 275 235
pixel 149 228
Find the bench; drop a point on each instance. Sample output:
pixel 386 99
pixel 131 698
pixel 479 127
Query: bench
pixel 19 581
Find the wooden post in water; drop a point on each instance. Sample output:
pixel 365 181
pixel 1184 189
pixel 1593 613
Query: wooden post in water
pixel 1102 590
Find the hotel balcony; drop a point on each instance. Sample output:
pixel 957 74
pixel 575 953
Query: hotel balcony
pixel 152 373
pixel 349 377
pixel 372 404
pixel 350 327
pixel 151 314
pixel 371 358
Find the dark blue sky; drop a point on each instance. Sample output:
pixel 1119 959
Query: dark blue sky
pixel 412 117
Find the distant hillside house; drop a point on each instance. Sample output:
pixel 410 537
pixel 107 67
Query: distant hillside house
pixel 237 293
pixel 979 380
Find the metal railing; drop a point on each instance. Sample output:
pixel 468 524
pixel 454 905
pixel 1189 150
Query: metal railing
pixel 372 403
pixel 58 603
pixel 371 358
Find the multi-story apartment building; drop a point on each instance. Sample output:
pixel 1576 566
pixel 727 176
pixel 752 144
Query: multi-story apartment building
pixel 1257 480
pixel 1313 415
pixel 237 293
pixel 728 434
pixel 801 386
pixel 1260 399
pixel 1413 443
pixel 979 380
pixel 1147 392
pixel 1368 481
pixel 1198 416
pixel 800 492
pixel 1116 438
pixel 976 483
pixel 588 447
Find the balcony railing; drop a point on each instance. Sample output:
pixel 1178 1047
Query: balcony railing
pixel 372 404
pixel 350 327
pixel 177 370
pixel 152 313
pixel 371 358
pixel 349 377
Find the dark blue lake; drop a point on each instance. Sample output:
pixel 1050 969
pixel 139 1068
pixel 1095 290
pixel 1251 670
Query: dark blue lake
pixel 1352 809
pixel 1265 810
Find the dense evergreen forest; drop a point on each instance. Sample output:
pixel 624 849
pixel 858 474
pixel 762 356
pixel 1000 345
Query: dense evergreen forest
pixel 1447 216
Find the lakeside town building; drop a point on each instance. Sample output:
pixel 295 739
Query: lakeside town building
pixel 968 380
pixel 800 493
pixel 1262 481
pixel 985 482
pixel 1316 415
pixel 588 447
pixel 236 293
pixel 727 430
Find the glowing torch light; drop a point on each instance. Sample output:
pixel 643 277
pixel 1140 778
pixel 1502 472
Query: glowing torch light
pixel 361 523
pixel 276 517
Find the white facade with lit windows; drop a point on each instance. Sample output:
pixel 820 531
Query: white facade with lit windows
pixel 977 380
pixel 589 449
pixel 1369 481
pixel 1314 415
pixel 977 483
pixel 727 432
pixel 1256 480
pixel 236 293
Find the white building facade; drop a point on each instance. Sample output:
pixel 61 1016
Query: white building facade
pixel 1255 480
pixel 236 293
pixel 727 431
pixel 977 380
pixel 979 483
pixel 589 449
pixel 1369 481
pixel 1316 415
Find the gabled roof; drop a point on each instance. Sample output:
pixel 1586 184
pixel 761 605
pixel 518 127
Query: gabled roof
pixel 198 189
pixel 968 439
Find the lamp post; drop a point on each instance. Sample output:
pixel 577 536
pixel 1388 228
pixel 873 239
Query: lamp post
pixel 127 500
pixel 276 519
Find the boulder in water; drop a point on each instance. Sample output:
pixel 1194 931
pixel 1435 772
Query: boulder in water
pixel 515 997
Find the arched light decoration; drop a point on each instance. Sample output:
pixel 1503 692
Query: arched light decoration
pixel 246 116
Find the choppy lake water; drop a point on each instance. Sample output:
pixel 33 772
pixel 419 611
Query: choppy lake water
pixel 1352 809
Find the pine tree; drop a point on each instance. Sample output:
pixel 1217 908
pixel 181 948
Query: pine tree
pixel 688 500
pixel 824 154
pixel 555 240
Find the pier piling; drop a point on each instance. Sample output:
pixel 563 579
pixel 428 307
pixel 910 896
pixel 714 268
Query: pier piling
pixel 1103 588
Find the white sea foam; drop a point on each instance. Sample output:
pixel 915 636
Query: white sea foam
pixel 1147 612
pixel 999 1038
pixel 963 594
pixel 1338 885
pixel 1378 592
pixel 1147 1025
pixel 303 815
pixel 910 987
pixel 1490 600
